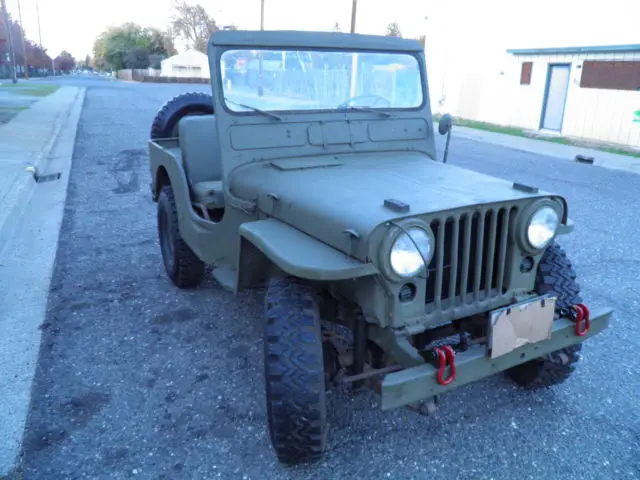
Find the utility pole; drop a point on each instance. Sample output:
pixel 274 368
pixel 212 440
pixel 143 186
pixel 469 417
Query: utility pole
pixel 354 8
pixel 53 62
pixel 40 37
pixel 260 83
pixel 24 44
pixel 261 14
pixel 12 58
pixel 39 31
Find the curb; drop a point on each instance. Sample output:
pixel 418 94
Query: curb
pixel 610 161
pixel 29 259
pixel 25 184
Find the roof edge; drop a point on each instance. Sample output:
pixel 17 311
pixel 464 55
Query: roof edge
pixel 634 47
pixel 312 39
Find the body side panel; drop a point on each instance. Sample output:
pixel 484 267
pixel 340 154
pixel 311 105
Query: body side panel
pixel 203 236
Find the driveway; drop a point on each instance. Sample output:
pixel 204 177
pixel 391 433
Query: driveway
pixel 139 380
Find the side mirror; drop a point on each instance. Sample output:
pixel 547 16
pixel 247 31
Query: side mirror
pixel 445 124
pixel 444 127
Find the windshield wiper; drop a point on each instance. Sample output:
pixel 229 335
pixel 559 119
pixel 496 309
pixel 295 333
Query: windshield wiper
pixel 254 109
pixel 364 109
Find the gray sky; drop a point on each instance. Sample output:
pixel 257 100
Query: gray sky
pixel 464 25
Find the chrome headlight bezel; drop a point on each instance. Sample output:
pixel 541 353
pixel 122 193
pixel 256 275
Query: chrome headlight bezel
pixel 396 231
pixel 526 218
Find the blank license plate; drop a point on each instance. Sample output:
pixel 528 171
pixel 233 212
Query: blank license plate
pixel 521 324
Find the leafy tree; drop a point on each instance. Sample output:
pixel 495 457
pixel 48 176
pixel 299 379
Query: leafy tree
pixel 128 44
pixel 84 64
pixel 160 43
pixel 193 24
pixel 155 61
pixel 36 56
pixel 138 57
pixel 65 61
pixel 393 30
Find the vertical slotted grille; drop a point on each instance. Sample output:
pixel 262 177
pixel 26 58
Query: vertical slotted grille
pixel 470 259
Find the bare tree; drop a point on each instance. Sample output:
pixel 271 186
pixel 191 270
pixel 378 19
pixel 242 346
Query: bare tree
pixel 393 30
pixel 193 24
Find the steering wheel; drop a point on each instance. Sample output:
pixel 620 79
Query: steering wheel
pixel 351 101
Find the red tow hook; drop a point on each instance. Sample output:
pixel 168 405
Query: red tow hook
pixel 446 355
pixel 583 321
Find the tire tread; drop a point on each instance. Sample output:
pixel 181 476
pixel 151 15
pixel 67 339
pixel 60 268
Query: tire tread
pixel 188 270
pixel 294 372
pixel 555 276
pixel 177 107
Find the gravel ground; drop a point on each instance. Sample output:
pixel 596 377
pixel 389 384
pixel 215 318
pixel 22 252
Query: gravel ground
pixel 139 380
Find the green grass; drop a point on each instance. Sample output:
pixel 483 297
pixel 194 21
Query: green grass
pixel 620 151
pixel 519 132
pixel 30 89
pixel 490 127
pixel 12 109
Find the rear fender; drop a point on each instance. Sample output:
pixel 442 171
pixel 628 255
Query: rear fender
pixel 267 243
pixel 165 163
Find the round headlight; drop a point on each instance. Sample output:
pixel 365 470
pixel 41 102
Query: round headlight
pixel 406 260
pixel 542 227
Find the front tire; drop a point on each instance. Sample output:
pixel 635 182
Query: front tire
pixel 294 372
pixel 182 265
pixel 557 277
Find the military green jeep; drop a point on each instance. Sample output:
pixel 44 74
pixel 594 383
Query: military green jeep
pixel 385 266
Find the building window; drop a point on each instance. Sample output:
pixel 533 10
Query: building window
pixel 611 75
pixel 525 73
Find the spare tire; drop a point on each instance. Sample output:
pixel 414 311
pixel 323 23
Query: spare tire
pixel 165 123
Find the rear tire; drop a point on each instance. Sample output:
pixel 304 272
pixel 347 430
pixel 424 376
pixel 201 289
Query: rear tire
pixel 557 277
pixel 165 123
pixel 294 372
pixel 182 265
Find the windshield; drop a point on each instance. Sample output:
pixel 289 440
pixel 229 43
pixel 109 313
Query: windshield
pixel 299 80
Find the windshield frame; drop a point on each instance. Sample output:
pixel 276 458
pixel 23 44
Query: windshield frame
pixel 418 57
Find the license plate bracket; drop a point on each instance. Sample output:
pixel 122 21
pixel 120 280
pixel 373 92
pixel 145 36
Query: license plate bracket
pixel 520 324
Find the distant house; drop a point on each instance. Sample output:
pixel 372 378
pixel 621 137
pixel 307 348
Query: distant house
pixel 190 64
pixel 588 92
pixel 584 92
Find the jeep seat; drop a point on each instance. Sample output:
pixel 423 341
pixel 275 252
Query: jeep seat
pixel 201 160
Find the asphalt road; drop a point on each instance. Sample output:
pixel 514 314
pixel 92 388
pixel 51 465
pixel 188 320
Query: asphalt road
pixel 139 380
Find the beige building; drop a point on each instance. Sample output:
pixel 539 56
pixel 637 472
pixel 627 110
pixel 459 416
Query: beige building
pixel 585 92
pixel 190 64
pixel 589 92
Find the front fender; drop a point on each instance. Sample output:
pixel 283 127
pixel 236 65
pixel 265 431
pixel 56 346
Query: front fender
pixel 300 255
pixel 566 228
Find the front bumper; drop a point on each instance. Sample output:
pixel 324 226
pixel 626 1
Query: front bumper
pixel 419 383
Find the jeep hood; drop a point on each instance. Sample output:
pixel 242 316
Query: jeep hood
pixel 324 196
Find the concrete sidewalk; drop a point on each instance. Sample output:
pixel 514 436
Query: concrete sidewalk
pixel 31 214
pixel 27 140
pixel 557 150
